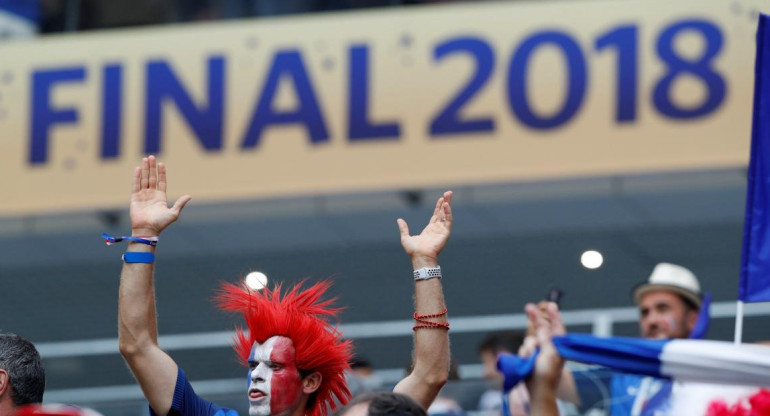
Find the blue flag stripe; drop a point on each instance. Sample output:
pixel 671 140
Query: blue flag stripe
pixel 755 259
pixel 27 9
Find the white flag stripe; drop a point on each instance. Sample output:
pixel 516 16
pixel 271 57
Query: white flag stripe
pixel 716 362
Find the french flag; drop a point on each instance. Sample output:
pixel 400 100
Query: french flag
pixel 689 360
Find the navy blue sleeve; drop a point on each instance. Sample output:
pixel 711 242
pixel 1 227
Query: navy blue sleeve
pixel 187 403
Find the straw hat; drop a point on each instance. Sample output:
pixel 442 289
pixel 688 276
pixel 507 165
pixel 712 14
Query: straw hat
pixel 674 278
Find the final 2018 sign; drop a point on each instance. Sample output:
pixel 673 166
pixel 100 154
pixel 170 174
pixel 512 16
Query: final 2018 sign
pixel 373 100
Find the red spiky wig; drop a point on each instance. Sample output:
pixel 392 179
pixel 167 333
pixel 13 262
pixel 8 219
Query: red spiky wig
pixel 301 316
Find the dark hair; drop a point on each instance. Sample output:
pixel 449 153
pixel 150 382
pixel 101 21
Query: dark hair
pixel 360 362
pixel 498 341
pixel 26 375
pixel 688 304
pixel 386 403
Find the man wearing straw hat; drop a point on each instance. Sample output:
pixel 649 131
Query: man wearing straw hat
pixel 669 304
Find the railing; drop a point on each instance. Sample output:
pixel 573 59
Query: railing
pixel 602 322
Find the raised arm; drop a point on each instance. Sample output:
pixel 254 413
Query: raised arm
pixel 431 345
pixel 155 371
pixel 543 383
pixel 549 311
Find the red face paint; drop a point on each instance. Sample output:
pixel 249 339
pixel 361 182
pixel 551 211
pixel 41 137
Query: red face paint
pixel 275 387
pixel 286 385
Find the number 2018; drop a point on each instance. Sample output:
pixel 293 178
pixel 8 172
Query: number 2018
pixel 623 40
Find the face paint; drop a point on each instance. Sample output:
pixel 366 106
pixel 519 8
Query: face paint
pixel 671 324
pixel 275 386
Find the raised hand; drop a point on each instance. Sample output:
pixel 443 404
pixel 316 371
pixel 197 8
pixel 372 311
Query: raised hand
pixel 551 313
pixel 426 247
pixel 149 211
pixel 547 324
pixel 431 343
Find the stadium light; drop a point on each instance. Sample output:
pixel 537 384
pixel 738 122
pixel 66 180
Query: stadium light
pixel 256 280
pixel 591 259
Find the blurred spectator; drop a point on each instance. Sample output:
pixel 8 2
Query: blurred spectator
pixel 361 378
pixel 493 344
pixel 489 348
pixel 445 406
pixel 62 16
pixel 382 404
pixel 669 304
pixel 73 15
pixel 22 378
pixel 285 7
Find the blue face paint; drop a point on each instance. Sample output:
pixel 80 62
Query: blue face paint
pixel 251 359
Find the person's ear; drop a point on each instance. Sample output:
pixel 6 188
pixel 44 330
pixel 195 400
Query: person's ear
pixel 5 382
pixel 311 382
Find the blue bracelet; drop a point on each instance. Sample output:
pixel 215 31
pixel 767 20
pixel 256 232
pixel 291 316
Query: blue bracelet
pixel 138 257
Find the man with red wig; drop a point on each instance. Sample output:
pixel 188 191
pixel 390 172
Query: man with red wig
pixel 296 357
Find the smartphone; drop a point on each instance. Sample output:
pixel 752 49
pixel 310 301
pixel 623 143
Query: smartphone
pixel 554 295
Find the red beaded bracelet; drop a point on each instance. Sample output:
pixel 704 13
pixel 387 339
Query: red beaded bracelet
pixel 424 323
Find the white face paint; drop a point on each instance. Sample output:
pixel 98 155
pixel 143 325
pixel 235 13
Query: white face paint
pixel 261 376
pixel 275 385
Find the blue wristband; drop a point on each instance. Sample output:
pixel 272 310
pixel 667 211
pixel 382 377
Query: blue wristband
pixel 138 257
pixel 110 240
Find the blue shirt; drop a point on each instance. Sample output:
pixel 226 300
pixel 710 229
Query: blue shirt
pixel 621 394
pixel 187 403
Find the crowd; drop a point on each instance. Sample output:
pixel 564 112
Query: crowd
pixel 300 364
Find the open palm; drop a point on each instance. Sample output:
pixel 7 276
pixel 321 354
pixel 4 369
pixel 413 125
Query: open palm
pixel 434 236
pixel 149 210
pixel 545 321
